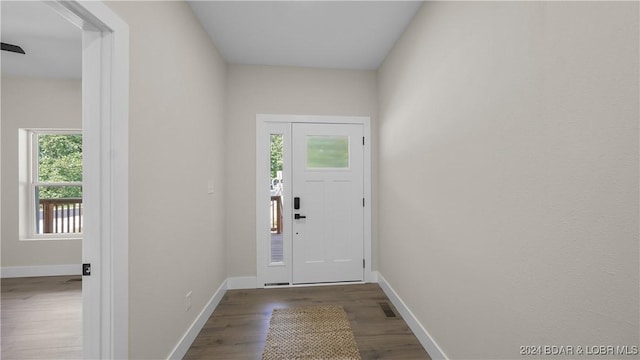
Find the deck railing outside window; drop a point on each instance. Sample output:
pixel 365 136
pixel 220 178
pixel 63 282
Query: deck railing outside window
pixel 276 214
pixel 60 216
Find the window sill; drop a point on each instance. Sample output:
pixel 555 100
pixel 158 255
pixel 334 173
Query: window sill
pixel 51 238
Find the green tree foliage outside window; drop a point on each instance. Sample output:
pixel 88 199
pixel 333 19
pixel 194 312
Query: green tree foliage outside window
pixel 276 154
pixel 60 161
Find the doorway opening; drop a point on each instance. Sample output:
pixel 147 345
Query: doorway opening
pixel 42 236
pixel 317 226
pixel 105 98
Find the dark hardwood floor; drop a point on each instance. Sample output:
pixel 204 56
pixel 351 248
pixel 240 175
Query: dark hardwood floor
pixel 41 318
pixel 238 327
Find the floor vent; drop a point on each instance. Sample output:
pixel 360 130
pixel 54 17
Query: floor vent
pixel 387 309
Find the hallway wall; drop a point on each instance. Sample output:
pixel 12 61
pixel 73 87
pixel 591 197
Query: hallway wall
pixel 508 172
pixel 176 137
pixel 279 90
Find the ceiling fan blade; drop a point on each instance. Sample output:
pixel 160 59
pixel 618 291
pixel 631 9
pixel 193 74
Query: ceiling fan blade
pixel 12 48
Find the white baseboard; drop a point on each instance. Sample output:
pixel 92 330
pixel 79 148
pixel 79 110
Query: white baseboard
pixel 188 338
pixel 419 331
pixel 242 282
pixel 374 276
pixel 40 270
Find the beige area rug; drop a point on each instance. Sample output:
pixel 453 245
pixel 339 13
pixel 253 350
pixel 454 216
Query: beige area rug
pixel 313 332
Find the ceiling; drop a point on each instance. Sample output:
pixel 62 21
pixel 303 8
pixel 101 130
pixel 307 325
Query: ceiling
pixel 52 44
pixel 324 34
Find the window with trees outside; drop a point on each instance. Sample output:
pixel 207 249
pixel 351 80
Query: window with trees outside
pixel 55 183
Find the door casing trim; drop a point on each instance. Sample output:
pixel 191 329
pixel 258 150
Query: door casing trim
pixel 105 126
pixel 262 169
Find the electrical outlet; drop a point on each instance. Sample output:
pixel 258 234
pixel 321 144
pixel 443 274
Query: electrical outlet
pixel 187 302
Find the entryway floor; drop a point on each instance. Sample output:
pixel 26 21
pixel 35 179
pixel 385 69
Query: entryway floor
pixel 238 327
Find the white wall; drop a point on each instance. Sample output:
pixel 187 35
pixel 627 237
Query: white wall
pixel 176 236
pixel 509 174
pixel 34 103
pixel 278 90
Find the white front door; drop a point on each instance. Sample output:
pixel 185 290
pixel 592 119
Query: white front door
pixel 328 207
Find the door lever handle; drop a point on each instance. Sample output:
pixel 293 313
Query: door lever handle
pixel 298 216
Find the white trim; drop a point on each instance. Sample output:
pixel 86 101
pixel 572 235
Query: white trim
pixel 93 319
pixel 324 284
pixel 375 276
pixel 368 178
pixel 242 282
pixel 41 270
pixel 105 93
pixel 189 337
pixel 262 121
pixel 419 331
pixel 318 119
pixel 268 272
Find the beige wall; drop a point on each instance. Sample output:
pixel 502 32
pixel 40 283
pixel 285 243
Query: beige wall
pixel 277 90
pixel 509 174
pixel 34 103
pixel 176 236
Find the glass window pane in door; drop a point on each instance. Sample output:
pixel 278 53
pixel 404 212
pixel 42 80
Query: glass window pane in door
pixel 327 152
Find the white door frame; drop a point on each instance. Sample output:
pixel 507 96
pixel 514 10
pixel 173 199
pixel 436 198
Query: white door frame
pixel 105 122
pixel 263 122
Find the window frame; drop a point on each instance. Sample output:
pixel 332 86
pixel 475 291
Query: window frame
pixel 29 181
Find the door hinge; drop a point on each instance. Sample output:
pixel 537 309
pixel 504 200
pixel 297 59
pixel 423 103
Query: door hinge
pixel 363 263
pixel 86 269
pixel 363 140
pixel 362 202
